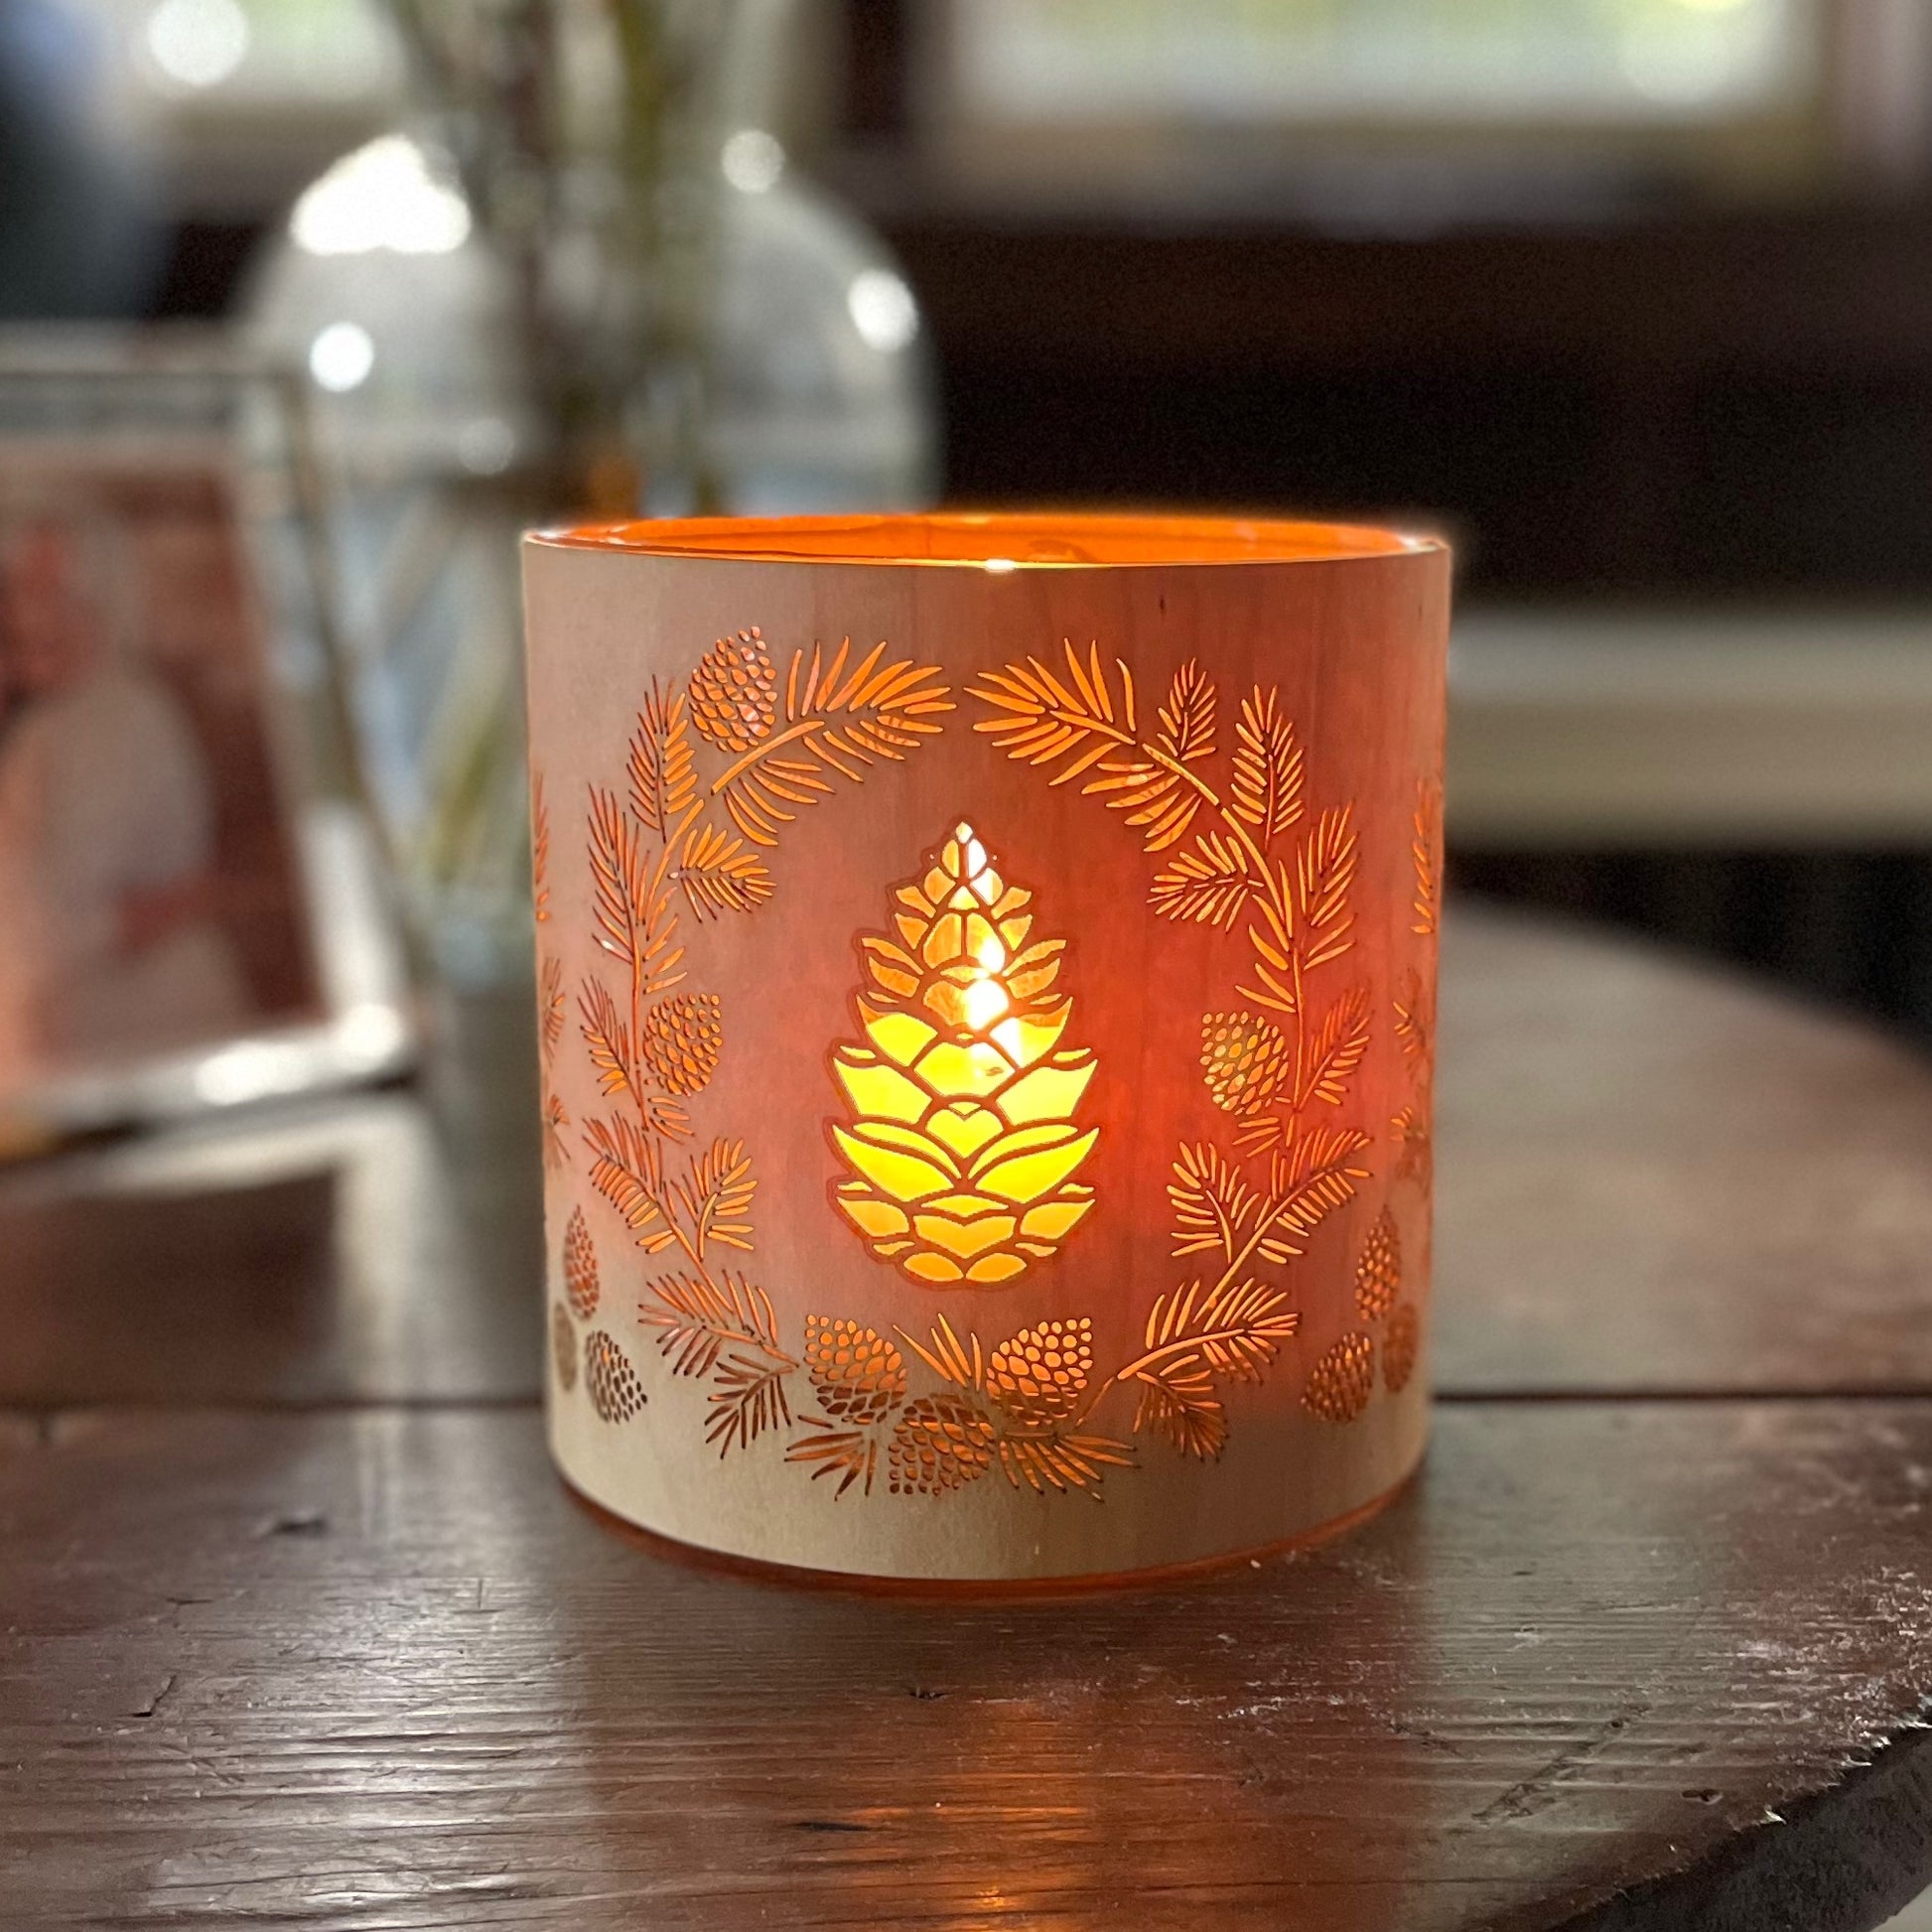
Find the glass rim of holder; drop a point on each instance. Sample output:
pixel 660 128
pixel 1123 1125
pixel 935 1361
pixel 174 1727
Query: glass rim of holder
pixel 1025 539
pixel 1055 1130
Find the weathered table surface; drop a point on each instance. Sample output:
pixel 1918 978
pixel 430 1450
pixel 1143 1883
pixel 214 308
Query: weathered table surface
pixel 298 1629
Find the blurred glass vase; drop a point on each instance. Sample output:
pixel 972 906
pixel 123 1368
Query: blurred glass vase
pixel 506 325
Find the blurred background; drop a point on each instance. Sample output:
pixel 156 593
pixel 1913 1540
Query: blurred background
pixel 1633 298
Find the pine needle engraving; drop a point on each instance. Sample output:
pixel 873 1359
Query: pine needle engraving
pixel 839 717
pixel 1223 805
pixel 550 984
pixel 1257 862
pixel 653 1045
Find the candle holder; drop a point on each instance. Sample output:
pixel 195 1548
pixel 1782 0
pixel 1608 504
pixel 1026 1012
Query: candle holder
pixel 985 991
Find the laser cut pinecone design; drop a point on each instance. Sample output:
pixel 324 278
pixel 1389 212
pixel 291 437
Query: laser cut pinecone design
pixel 941 1443
pixel 1243 1059
pixel 1040 1375
pixel 580 1267
pixel 683 1036
pixel 734 692
pixel 857 1374
pixel 963 1143
pixel 615 1391
pixel 1378 1270
pixel 1400 1347
pixel 1341 1382
pixel 563 1345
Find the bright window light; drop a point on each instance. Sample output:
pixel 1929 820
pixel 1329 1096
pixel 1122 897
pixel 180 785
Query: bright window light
pixel 753 161
pixel 341 356
pixel 383 195
pixel 198 42
pixel 1228 62
pixel 882 310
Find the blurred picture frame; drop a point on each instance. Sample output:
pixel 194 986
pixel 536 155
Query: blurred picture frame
pixel 197 915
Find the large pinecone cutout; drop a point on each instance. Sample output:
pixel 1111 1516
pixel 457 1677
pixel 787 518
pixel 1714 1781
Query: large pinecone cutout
pixel 963 1140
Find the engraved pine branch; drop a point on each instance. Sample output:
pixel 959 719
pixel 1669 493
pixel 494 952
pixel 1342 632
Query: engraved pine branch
pixel 1254 861
pixel 839 715
pixel 653 1048
pixel 550 981
pixel 655 854
pixel 1413 1003
pixel 1023 1406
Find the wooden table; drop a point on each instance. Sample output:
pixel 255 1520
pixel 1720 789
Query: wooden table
pixel 300 1630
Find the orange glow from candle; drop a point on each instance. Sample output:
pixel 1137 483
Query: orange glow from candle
pixel 963 1147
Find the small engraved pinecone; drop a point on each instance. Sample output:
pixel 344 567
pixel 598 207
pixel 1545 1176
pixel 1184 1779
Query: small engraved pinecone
pixel 683 1036
pixel 1340 1383
pixel 1378 1270
pixel 1400 1347
pixel 1040 1376
pixel 859 1375
pixel 941 1443
pixel 1243 1058
pixel 734 692
pixel 615 1393
pixel 580 1267
pixel 563 1343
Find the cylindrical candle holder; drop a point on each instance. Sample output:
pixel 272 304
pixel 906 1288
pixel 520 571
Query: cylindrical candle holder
pixel 987 989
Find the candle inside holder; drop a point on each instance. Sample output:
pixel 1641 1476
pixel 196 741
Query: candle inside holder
pixel 986 990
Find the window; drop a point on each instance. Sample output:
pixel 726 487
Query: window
pixel 1468 61
pixel 1176 98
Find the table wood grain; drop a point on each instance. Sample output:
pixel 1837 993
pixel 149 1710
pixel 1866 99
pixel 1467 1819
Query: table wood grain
pixel 297 1629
